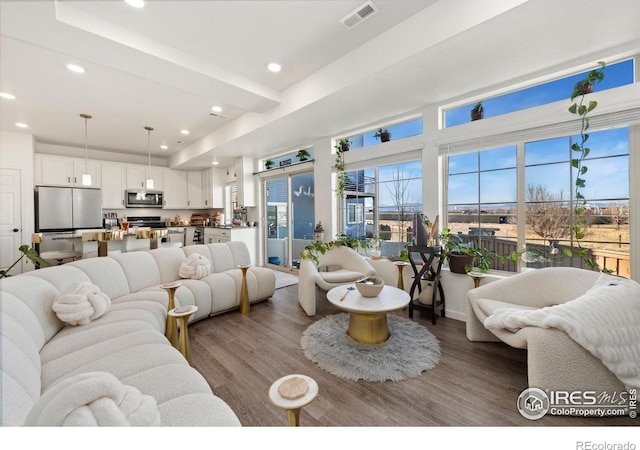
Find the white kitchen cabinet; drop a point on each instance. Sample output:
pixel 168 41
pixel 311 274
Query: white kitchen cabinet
pixel 137 176
pixel 175 189
pixel 213 181
pixel 216 235
pixel 194 189
pixel 245 181
pixel 64 171
pixel 248 235
pixel 113 185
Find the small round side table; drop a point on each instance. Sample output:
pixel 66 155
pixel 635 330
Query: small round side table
pixel 171 330
pixel 182 314
pixel 293 407
pixel 477 277
pixel 400 265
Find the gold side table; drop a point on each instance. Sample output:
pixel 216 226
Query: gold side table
pixel 400 265
pixel 171 330
pixel 294 406
pixel 182 314
pixel 477 278
pixel 244 291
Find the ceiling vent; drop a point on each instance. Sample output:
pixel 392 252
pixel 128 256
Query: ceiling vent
pixel 358 15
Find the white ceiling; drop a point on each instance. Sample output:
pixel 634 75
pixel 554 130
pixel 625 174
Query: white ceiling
pixel 165 65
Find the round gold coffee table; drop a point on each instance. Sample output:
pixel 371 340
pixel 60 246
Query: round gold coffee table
pixel 368 315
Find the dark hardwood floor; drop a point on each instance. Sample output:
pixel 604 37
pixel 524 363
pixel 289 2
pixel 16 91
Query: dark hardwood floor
pixel 474 384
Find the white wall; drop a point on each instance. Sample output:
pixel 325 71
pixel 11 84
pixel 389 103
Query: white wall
pixel 16 152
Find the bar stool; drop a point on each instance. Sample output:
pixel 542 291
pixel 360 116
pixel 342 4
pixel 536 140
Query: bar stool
pixel 60 255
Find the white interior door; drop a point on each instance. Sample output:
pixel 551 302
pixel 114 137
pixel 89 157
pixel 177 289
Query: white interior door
pixel 10 224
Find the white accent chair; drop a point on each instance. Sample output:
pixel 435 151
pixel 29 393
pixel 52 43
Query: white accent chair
pixel 554 360
pixel 348 264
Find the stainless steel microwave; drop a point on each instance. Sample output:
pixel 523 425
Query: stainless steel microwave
pixel 143 199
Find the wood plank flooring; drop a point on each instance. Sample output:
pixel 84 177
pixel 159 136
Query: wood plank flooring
pixel 474 384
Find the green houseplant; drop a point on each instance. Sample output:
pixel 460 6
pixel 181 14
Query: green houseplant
pixel 382 134
pixel 269 163
pixel 342 145
pixel 31 254
pixel 316 248
pixel 581 151
pixel 477 112
pixel 303 154
pixel 340 172
pixel 462 258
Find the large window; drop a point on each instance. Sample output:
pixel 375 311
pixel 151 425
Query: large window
pixel 400 130
pixel 380 202
pixel 618 74
pixel 483 200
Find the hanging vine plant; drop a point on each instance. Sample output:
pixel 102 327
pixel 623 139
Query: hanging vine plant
pixel 580 150
pixel 342 174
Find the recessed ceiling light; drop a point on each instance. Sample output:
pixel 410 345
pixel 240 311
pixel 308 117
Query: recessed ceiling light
pixel 22 125
pixel 164 147
pixel 216 108
pixel 184 131
pixel 7 96
pixel 274 67
pixel 215 163
pixel 75 68
pixel 135 3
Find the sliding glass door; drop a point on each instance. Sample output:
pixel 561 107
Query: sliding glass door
pixel 289 206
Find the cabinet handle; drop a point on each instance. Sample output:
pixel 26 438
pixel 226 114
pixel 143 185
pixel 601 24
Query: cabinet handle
pixel 123 201
pixel 75 180
pixel 68 179
pixel 142 184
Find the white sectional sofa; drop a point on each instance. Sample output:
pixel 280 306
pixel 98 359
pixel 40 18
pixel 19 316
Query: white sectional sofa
pixel 39 350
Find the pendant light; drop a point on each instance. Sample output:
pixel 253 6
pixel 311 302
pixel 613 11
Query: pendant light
pixel 149 179
pixel 86 177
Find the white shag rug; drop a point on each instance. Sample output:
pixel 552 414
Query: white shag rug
pixel 284 279
pixel 410 350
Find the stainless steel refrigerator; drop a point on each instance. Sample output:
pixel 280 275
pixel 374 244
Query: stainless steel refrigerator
pixel 67 209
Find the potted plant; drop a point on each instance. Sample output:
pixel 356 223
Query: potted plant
pixel 342 145
pixel 455 253
pixel 269 163
pixel 382 134
pixel 462 258
pixel 303 154
pixel 31 254
pixel 316 248
pixel 580 152
pixel 477 112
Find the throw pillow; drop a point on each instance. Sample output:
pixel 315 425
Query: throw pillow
pixel 80 303
pixel 93 399
pixel 195 267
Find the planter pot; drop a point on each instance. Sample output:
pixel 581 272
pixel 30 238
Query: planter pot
pixel 457 262
pixel 475 115
pixel 384 137
pixel 584 88
pixel 344 148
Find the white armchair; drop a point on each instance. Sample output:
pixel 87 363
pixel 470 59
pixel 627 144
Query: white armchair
pixel 351 267
pixel 554 360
